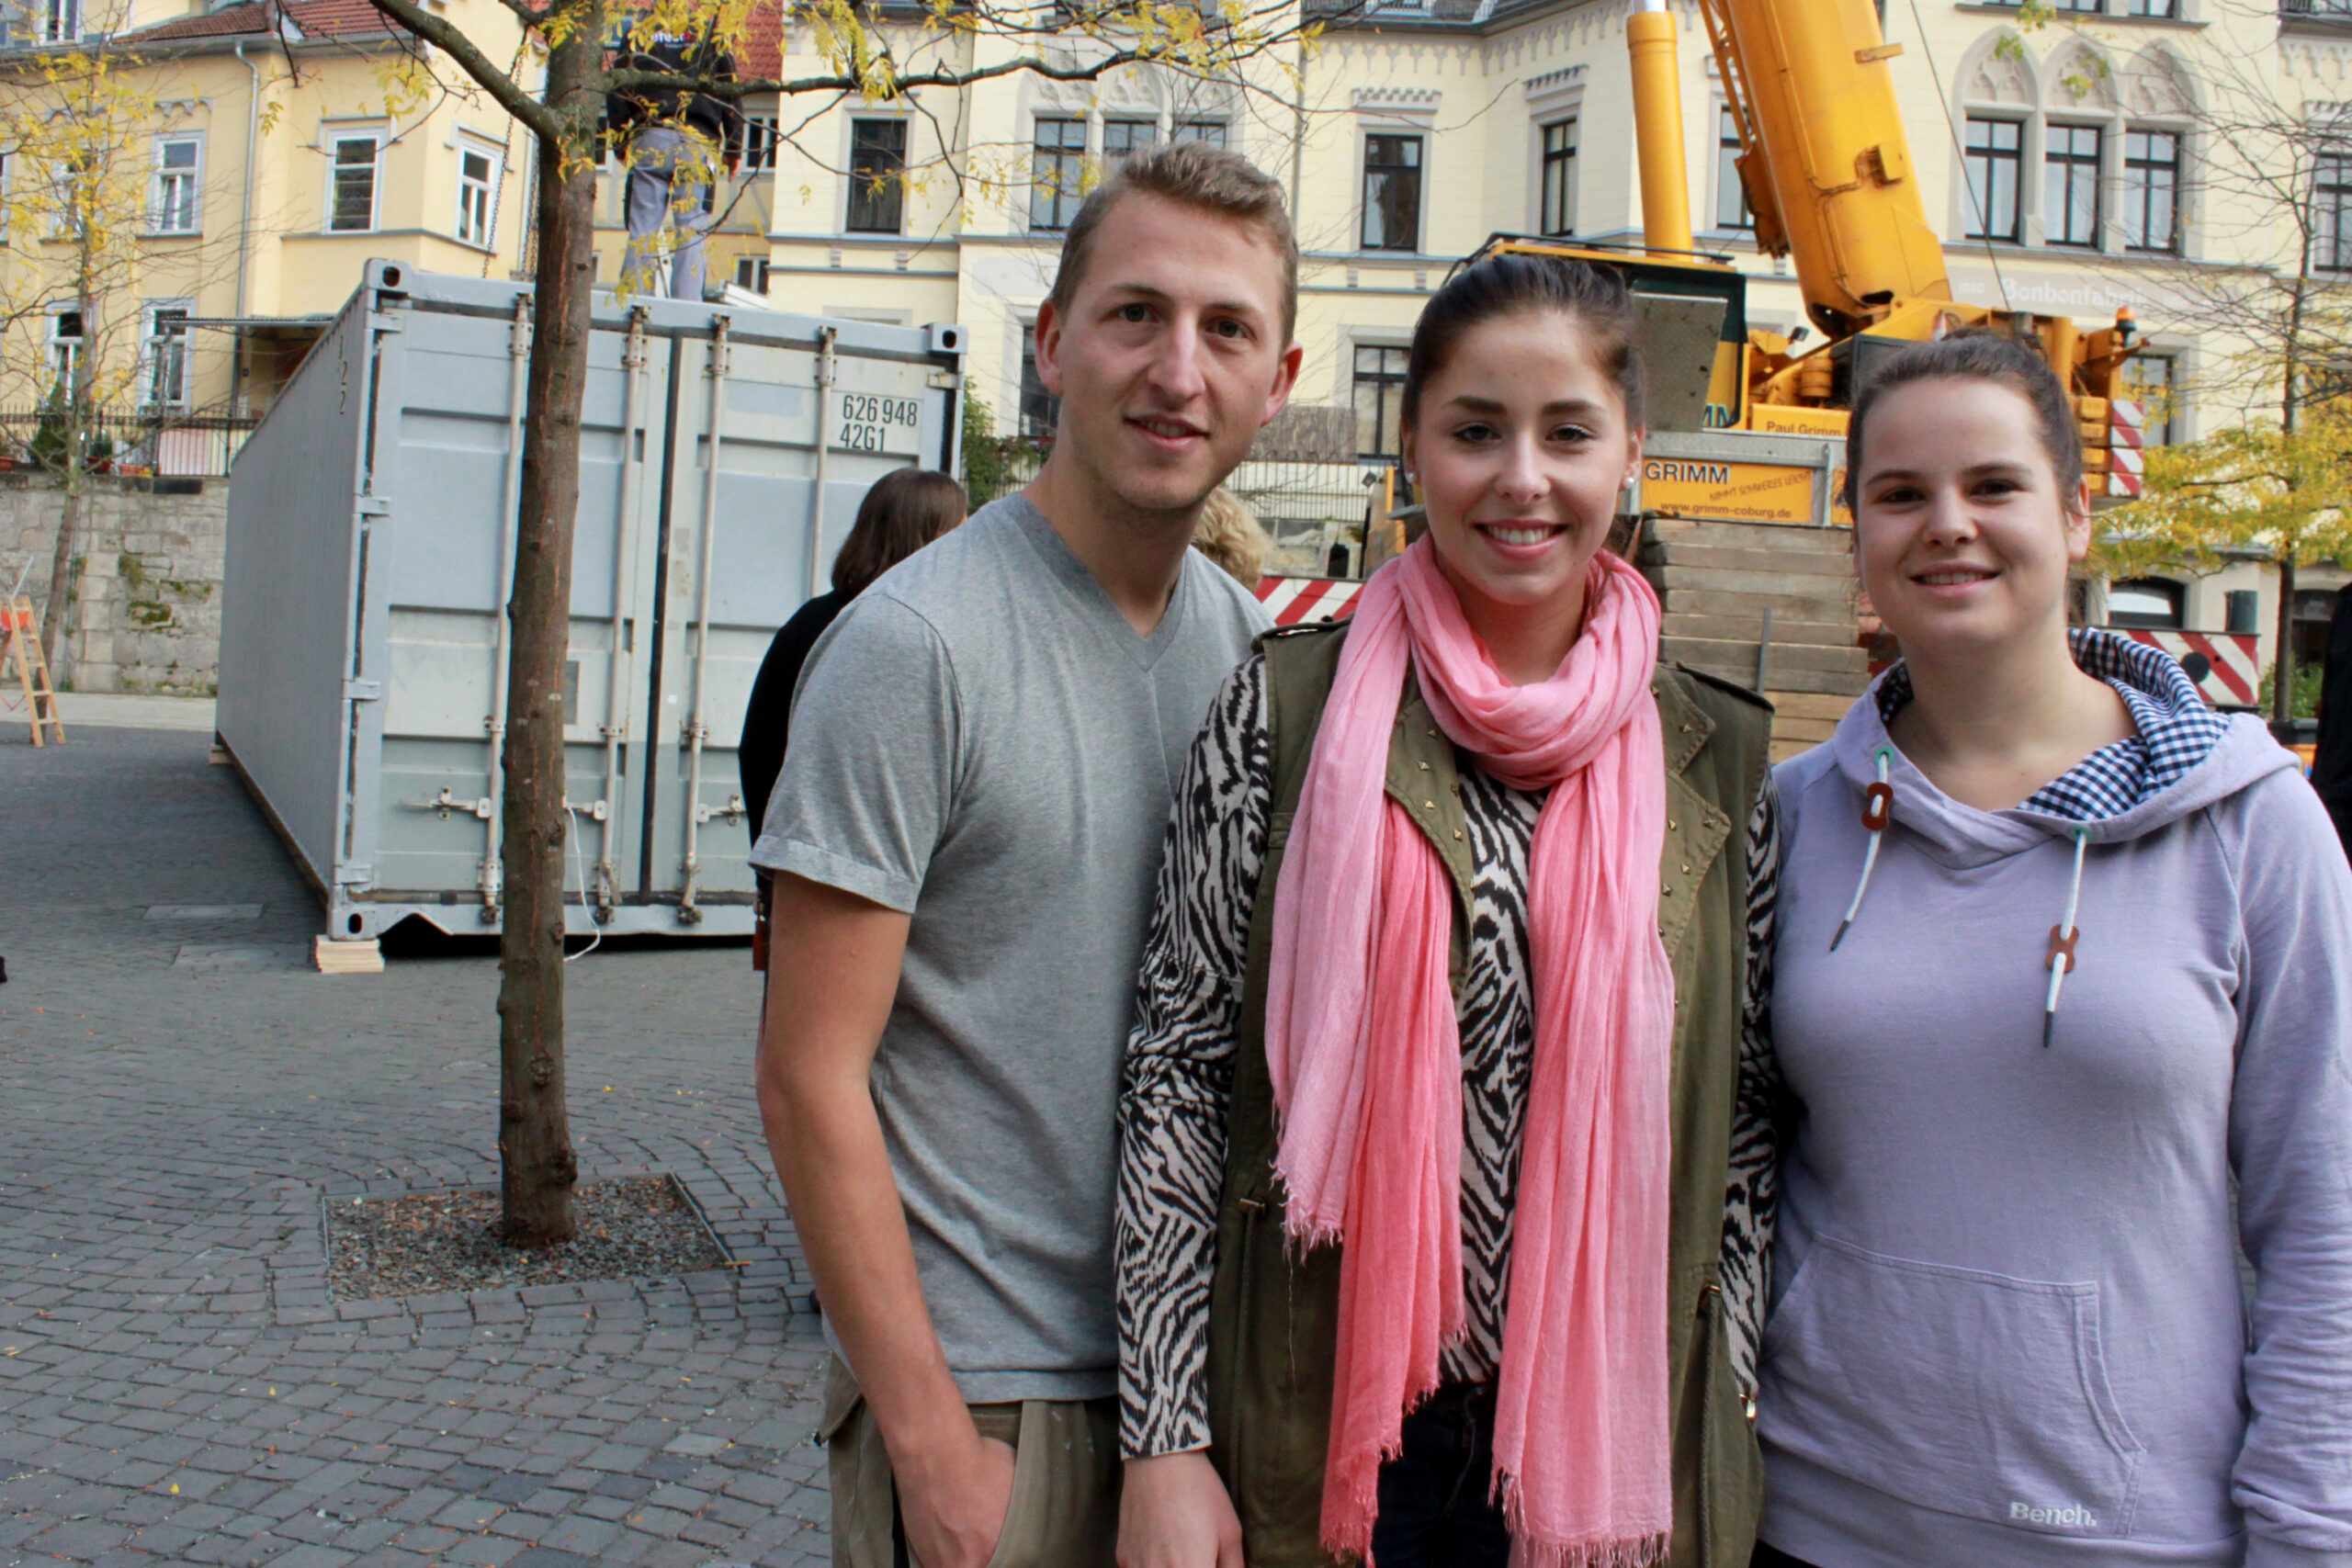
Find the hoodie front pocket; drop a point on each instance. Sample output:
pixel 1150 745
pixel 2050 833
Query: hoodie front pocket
pixel 1969 1392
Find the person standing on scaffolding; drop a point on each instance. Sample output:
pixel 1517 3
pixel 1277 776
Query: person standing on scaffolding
pixel 673 142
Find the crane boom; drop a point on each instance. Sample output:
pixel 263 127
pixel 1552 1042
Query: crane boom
pixel 1824 157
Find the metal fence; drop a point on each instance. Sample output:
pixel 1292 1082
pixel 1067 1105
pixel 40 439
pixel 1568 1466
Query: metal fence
pixel 1314 509
pixel 160 442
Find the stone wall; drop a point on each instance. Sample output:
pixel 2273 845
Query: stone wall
pixel 146 610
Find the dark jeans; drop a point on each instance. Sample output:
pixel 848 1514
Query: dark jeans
pixel 1437 1509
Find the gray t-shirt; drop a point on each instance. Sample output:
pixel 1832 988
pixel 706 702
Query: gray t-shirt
pixel 982 741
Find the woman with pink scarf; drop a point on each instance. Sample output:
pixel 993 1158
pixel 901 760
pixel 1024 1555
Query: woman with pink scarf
pixel 1446 1161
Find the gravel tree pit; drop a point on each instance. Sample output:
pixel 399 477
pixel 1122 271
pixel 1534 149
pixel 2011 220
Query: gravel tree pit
pixel 448 1243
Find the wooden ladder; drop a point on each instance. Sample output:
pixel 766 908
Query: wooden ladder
pixel 22 650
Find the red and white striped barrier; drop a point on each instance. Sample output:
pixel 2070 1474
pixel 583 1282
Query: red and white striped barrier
pixel 2224 665
pixel 2126 459
pixel 1294 601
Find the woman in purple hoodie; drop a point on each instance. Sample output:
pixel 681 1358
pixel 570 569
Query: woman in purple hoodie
pixel 2063 1002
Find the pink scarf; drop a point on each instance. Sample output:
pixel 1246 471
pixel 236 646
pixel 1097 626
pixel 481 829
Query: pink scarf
pixel 1368 1077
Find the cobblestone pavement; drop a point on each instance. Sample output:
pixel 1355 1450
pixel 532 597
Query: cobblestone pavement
pixel 179 1096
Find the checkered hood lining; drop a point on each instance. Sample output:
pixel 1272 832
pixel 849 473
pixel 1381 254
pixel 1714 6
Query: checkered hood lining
pixel 2176 729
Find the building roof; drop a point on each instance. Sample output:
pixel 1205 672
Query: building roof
pixel 1424 16
pixel 760 58
pixel 337 17
pixel 263 18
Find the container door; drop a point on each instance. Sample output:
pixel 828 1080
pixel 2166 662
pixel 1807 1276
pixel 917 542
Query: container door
pixel 744 551
pixel 447 557
pixel 608 726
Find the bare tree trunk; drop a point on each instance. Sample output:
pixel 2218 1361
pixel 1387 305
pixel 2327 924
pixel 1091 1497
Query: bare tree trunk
pixel 2282 689
pixel 61 562
pixel 69 512
pixel 2290 401
pixel 537 1161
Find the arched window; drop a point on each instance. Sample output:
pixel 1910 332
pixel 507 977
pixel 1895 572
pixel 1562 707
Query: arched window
pixel 2077 148
pixel 2144 602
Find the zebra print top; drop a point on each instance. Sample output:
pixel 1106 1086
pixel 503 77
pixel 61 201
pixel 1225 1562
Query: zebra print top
pixel 1181 1057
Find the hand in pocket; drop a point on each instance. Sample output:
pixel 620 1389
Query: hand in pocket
pixel 953 1504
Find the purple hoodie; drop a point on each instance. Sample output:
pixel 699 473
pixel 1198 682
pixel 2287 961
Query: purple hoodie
pixel 2007 1325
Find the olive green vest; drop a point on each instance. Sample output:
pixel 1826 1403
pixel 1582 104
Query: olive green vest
pixel 1272 1312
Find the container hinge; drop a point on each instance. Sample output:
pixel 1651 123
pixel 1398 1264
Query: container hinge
pixel 374 506
pixel 363 691
pixel 354 875
pixel 726 813
pixel 445 803
pixel 946 380
pixel 385 321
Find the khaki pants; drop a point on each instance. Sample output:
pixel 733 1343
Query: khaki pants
pixel 1065 1511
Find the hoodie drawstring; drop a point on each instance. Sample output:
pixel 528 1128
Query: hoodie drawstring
pixel 1878 810
pixel 2063 937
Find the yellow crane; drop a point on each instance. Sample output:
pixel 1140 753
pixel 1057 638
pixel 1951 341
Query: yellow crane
pixel 1828 174
pixel 1747 429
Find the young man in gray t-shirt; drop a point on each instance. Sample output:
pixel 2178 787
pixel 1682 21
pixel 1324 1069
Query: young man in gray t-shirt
pixel 965 838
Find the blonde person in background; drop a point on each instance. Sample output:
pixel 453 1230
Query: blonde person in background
pixel 1229 535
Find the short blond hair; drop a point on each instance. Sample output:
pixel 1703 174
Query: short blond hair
pixel 1194 174
pixel 1227 535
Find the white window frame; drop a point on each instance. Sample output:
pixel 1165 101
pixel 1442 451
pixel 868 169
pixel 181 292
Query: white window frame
pixel 159 199
pixel 849 164
pixel 66 219
pixel 2103 159
pixel 2126 193
pixel 1024 359
pixel 1393 387
pixel 63 351
pixel 763 137
pixel 149 358
pixel 1551 99
pixel 2332 218
pixel 1723 177
pixel 334 138
pixel 1572 128
pixel 1087 150
pixel 1422 186
pixel 477 198
pixel 61 21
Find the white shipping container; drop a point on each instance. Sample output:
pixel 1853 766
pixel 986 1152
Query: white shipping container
pixel 371 536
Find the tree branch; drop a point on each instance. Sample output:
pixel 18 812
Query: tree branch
pixel 414 19
pixel 666 81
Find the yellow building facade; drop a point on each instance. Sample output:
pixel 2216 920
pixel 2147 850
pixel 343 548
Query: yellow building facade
pixel 267 153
